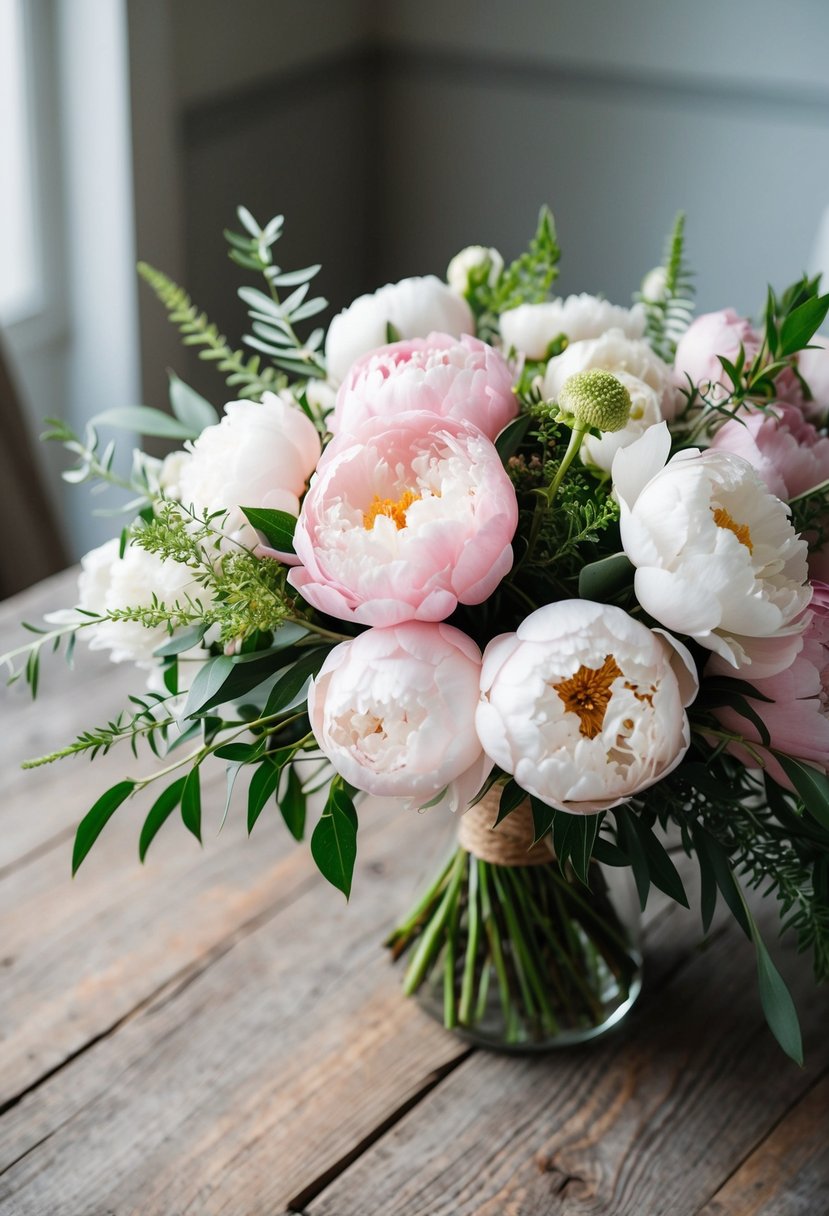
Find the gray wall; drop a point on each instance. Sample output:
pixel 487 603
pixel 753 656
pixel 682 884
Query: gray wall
pixel 392 134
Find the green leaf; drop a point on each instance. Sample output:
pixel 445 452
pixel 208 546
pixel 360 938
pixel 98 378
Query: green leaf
pixel 190 407
pixel 811 784
pixel 145 420
pixel 160 812
pixel 778 1006
pixel 334 840
pixel 185 640
pixel 277 526
pixel 802 324
pixel 207 682
pixel 708 891
pixel 263 785
pixel 599 580
pixel 292 805
pixel 629 839
pixel 543 817
pixel 290 685
pixel 96 819
pixel 663 872
pixel 511 797
pixel 777 1002
pixel 191 802
pixel 508 441
pixel 709 847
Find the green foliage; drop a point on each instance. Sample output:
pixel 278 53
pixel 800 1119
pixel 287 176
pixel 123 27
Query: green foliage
pixel 96 819
pixel 277 526
pixel 274 320
pixel 245 595
pixel 669 316
pixel 334 839
pixel 527 280
pixel 243 374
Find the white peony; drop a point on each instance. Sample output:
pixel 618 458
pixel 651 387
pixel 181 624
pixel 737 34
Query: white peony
pixel 615 352
pixel 715 553
pixel 645 411
pixel 584 705
pixel 259 455
pixel 414 308
pixel 108 582
pixel 394 710
pixel 531 328
pixel 471 258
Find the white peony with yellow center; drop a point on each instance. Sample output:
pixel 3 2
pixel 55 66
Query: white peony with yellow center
pixel 715 553
pixel 584 705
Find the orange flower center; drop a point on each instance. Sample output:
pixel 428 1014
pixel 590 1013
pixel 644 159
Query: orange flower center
pixel 587 693
pixel 392 508
pixel 723 520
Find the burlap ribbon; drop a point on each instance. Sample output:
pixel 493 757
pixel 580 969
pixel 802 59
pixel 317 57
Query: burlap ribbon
pixel 511 843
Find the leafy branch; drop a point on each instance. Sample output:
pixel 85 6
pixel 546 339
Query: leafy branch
pixel 274 320
pixel 241 372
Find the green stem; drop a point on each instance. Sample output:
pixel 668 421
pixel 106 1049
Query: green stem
pixel 431 939
pixel 473 931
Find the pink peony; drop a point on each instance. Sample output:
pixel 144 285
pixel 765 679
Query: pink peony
pixel 813 365
pixel 394 712
pixel 785 449
pixel 709 336
pixel 797 716
pixel 404 520
pixel 455 378
pixel 414 307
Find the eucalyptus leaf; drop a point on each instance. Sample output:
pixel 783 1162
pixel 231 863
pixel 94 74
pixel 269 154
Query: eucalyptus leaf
pixel 190 407
pixel 263 785
pixel 146 421
pixel 599 580
pixel 811 784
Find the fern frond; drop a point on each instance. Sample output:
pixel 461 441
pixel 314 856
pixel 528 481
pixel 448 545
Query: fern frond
pixel 240 372
pixel 669 310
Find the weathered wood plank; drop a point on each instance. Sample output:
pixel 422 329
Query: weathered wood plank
pixel 648 1123
pixel 77 956
pixel 229 1094
pixel 788 1173
pixel 257 1080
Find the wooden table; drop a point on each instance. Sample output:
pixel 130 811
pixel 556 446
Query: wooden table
pixel 216 1032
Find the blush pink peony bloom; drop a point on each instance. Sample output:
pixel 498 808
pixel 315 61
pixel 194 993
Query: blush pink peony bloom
pixel 709 336
pixel 786 450
pixel 394 712
pixel 455 378
pixel 414 307
pixel 585 705
pixel 797 714
pixel 404 520
pixel 813 365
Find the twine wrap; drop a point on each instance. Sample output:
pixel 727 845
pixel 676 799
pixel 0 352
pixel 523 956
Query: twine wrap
pixel 511 843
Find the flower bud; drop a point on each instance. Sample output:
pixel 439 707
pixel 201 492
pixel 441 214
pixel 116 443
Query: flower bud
pixel 594 399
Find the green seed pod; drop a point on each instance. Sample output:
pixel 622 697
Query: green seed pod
pixel 594 399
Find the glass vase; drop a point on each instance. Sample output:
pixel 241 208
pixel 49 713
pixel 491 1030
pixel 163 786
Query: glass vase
pixel 513 953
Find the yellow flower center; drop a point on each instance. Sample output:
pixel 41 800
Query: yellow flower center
pixel 723 520
pixel 392 508
pixel 587 693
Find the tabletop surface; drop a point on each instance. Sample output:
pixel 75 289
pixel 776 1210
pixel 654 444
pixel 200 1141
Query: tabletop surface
pixel 217 1032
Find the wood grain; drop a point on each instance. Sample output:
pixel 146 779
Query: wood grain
pixel 788 1173
pixel 645 1124
pixel 228 1094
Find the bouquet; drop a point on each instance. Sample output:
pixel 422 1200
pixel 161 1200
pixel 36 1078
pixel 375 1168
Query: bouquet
pixel 554 566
